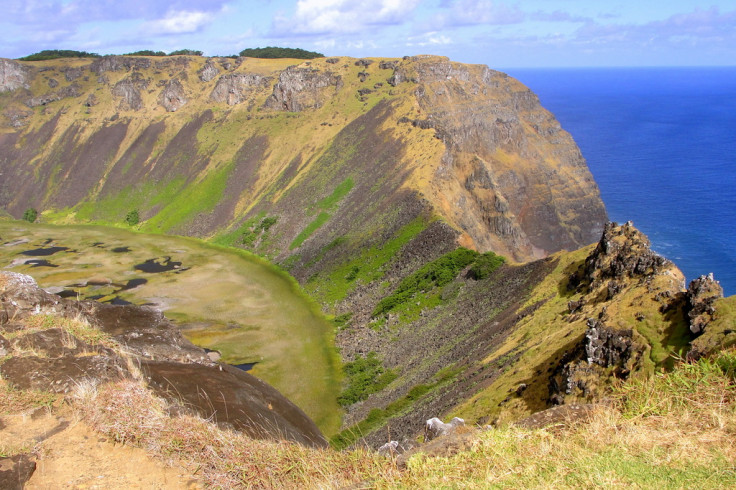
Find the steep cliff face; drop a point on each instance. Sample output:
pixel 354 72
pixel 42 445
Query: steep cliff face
pixel 210 147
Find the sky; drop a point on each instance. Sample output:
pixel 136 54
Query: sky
pixel 529 33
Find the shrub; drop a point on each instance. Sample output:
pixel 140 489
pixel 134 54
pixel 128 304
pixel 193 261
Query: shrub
pixel 146 52
pixel 434 274
pixel 132 218
pixel 366 375
pixel 30 215
pixel 188 52
pixel 52 54
pixel 274 52
pixel 485 264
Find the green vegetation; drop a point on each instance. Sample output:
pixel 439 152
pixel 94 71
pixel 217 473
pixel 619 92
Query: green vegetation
pixel 132 218
pixel 52 54
pixel 485 265
pixel 378 417
pixel 274 52
pixel 320 220
pixel 338 282
pixel 365 375
pixel 30 215
pixel 327 205
pixel 434 274
pixel 146 52
pixel 187 52
pixel 254 232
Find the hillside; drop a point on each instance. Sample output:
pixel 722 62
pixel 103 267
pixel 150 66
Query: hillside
pixel 212 147
pixel 441 219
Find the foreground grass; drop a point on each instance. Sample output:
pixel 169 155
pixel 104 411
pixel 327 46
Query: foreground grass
pixel 675 430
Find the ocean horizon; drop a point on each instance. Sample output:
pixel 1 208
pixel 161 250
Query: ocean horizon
pixel 661 144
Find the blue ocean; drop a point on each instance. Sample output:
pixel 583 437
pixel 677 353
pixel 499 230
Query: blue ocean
pixel 661 143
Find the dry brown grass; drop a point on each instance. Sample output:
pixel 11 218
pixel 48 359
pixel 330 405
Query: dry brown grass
pixel 18 401
pixel 675 430
pixel 130 414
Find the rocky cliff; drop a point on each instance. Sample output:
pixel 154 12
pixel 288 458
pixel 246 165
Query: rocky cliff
pixel 210 147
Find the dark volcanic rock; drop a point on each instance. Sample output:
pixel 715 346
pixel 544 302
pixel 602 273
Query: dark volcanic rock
pixel 623 251
pixel 15 471
pixel 233 397
pixel 701 296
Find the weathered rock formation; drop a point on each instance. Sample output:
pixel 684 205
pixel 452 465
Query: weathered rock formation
pixel 172 97
pixel 302 88
pixel 701 297
pixel 13 76
pixel 137 342
pixel 235 88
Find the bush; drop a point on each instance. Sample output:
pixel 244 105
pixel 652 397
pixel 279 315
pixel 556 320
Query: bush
pixel 188 52
pixel 366 375
pixel 52 54
pixel 30 215
pixel 132 218
pixel 434 274
pixel 274 52
pixel 146 52
pixel 485 264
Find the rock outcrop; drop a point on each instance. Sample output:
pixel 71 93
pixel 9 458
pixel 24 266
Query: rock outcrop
pixel 235 88
pixel 45 353
pixel 301 88
pixel 702 294
pixel 13 76
pixel 172 97
pixel 129 90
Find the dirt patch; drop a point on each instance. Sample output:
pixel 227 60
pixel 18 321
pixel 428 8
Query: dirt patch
pixel 71 455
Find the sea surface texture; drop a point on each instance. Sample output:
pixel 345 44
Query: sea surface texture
pixel 661 143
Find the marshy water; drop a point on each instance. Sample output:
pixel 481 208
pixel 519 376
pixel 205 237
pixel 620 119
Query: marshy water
pixel 222 299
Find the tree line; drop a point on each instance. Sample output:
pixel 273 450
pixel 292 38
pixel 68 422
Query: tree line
pixel 267 52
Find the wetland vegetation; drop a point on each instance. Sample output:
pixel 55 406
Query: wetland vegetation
pixel 223 299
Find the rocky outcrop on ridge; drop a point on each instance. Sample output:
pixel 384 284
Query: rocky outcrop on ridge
pixel 234 88
pixel 45 352
pixel 301 88
pixel 13 76
pixel 172 97
pixel 702 294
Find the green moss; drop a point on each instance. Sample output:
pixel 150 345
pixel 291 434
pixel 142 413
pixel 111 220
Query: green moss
pixel 434 274
pixel 327 205
pixel 320 220
pixel 191 200
pixel 365 375
pixel 485 265
pixel 332 286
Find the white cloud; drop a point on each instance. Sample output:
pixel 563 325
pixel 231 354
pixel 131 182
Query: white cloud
pixel 429 39
pixel 475 12
pixel 178 22
pixel 343 16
